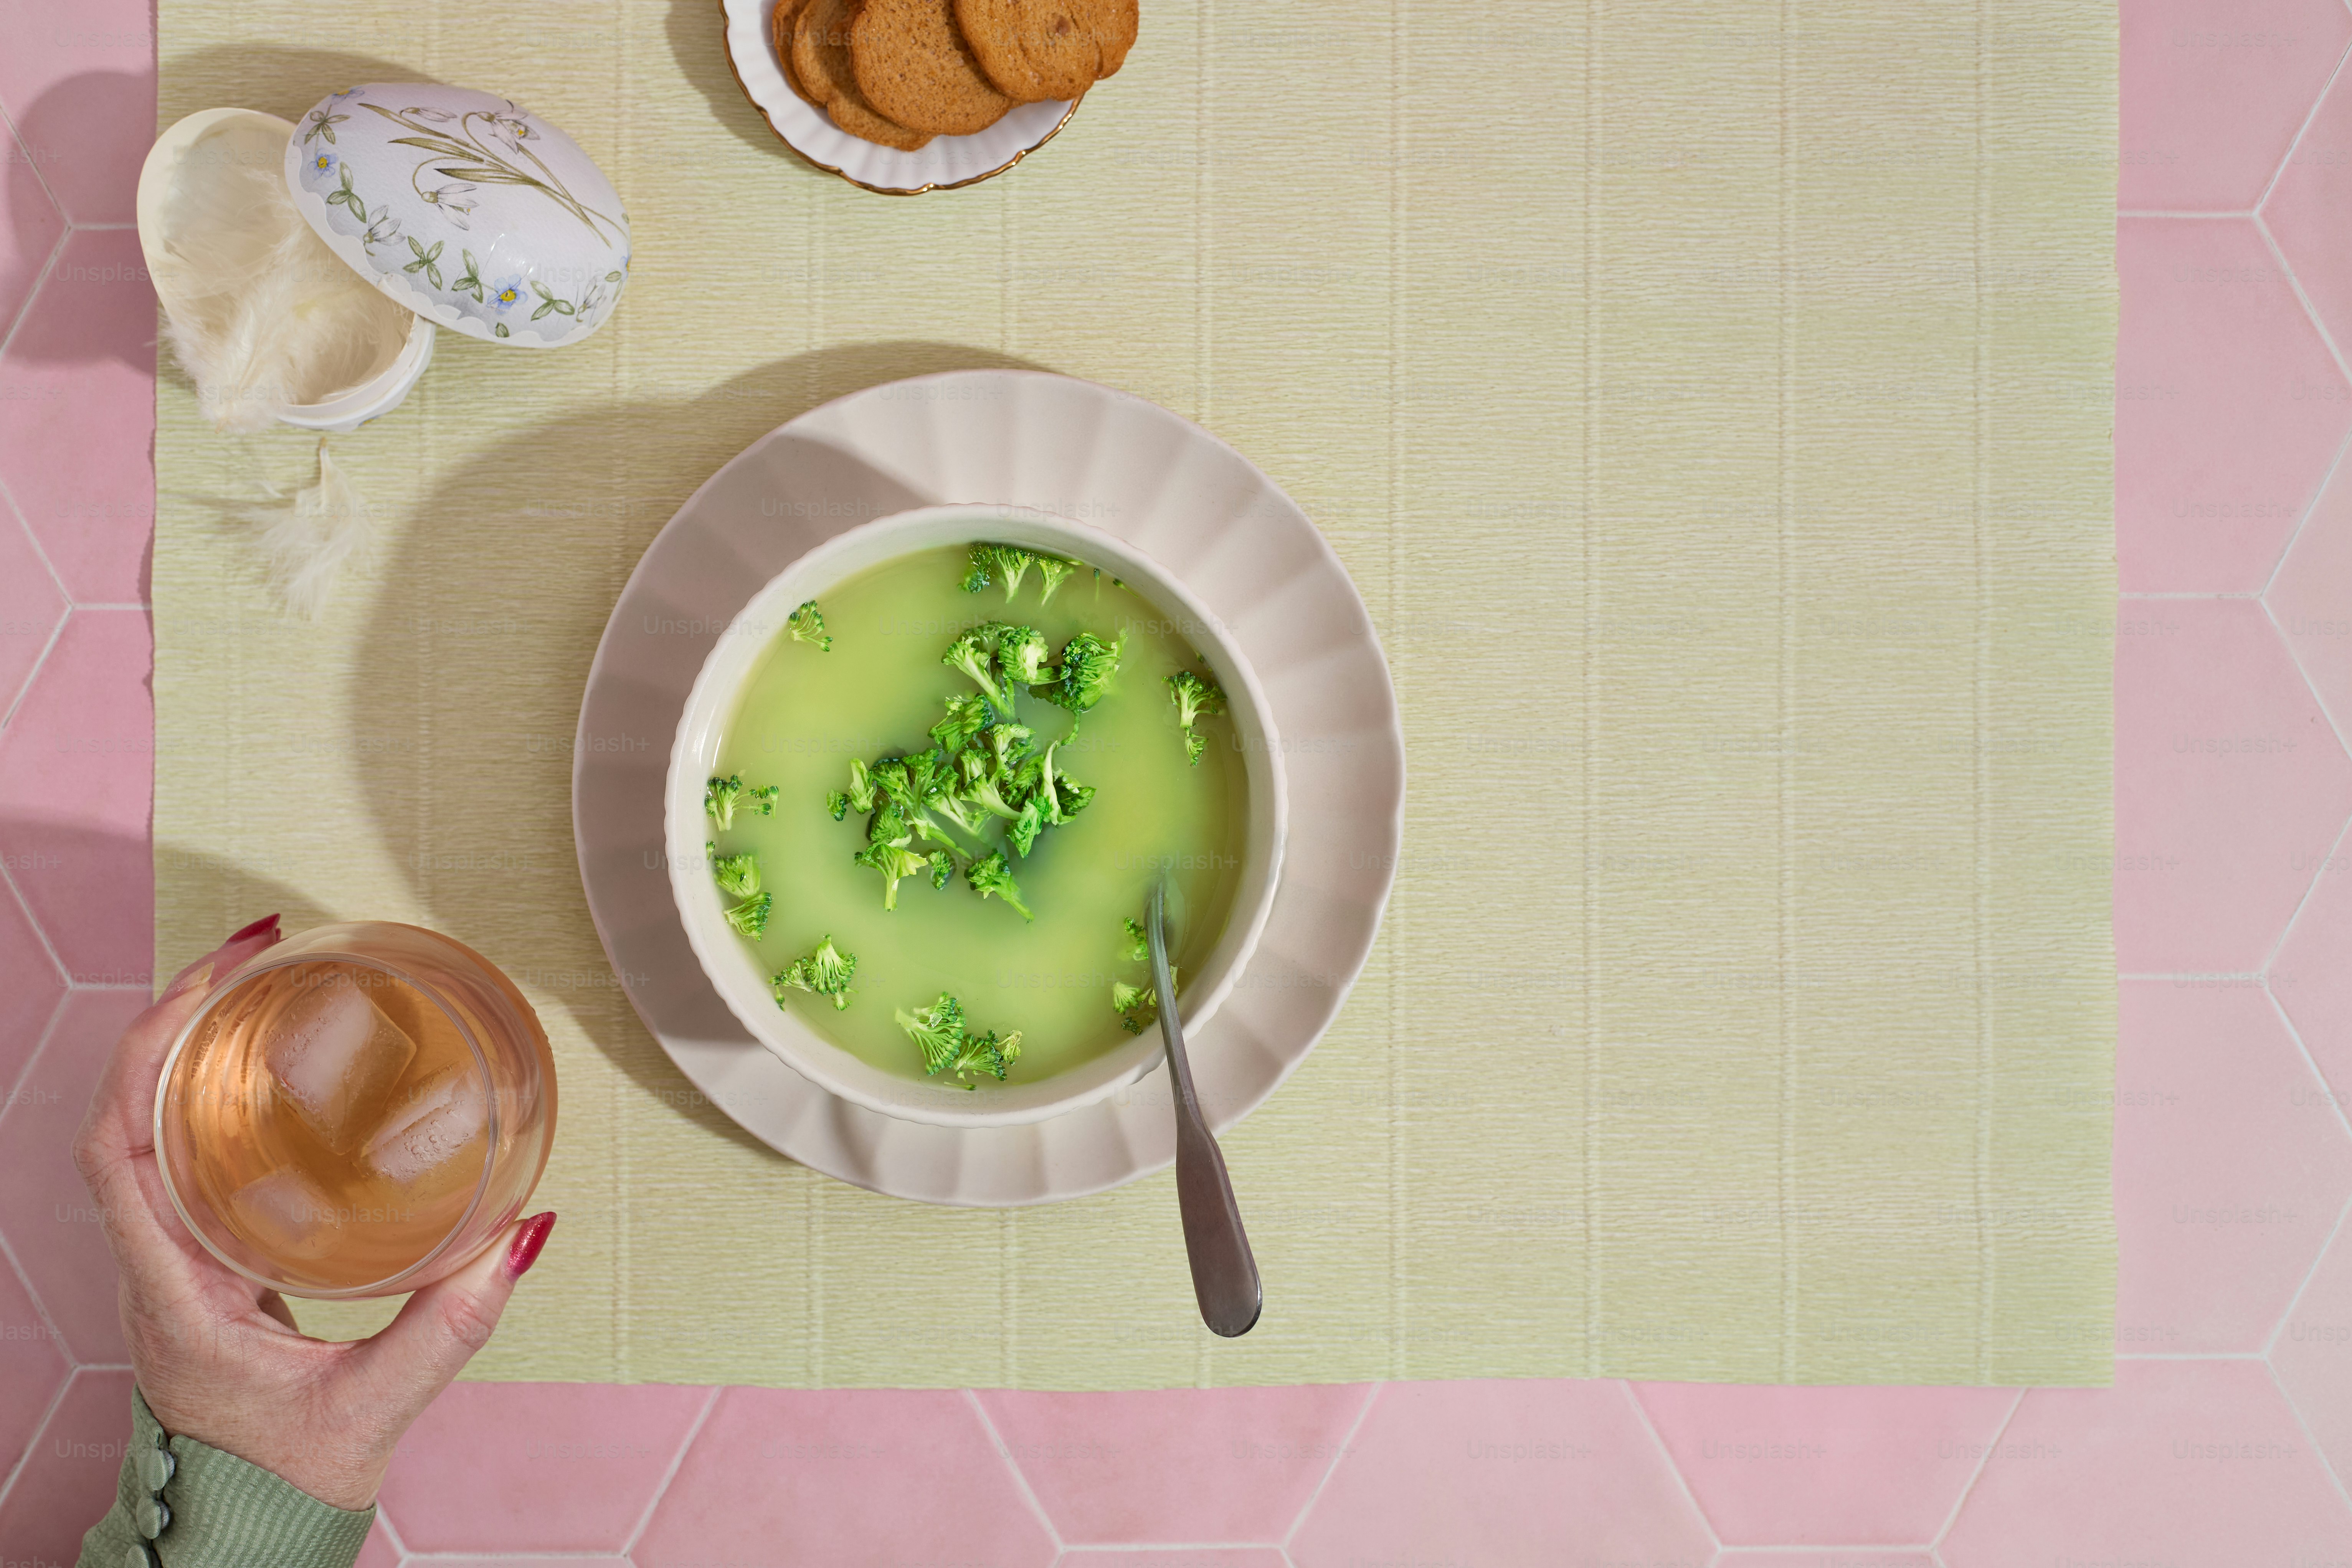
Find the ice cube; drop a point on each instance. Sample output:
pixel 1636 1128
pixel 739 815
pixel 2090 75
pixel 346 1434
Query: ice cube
pixel 336 1057
pixel 431 1123
pixel 285 1215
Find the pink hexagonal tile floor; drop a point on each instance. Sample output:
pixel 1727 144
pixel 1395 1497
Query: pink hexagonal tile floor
pixel 884 1476
pixel 1852 1467
pixel 31 607
pixel 2233 801
pixel 536 1467
pixel 1179 1464
pixel 66 1479
pixel 2231 787
pixel 2213 91
pixel 2228 407
pixel 81 365
pixel 33 1367
pixel 2312 1354
pixel 2182 1462
pixel 1503 1472
pixel 49 1218
pixel 2232 1166
pixel 75 773
pixel 2305 212
pixel 2312 983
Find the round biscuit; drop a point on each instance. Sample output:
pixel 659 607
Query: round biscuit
pixel 914 68
pixel 821 60
pixel 1033 50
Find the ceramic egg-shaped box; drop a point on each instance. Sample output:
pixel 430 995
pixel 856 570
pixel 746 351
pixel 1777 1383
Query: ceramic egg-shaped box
pixel 459 207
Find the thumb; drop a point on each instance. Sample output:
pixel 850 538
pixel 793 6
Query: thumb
pixel 415 1355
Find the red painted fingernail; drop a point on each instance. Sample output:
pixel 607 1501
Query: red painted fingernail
pixel 527 1243
pixel 266 923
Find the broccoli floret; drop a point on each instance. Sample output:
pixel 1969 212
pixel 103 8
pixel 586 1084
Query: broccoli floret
pixel 975 653
pixel 1008 563
pixel 763 801
pixel 1007 745
pixel 986 1054
pixel 991 877
pixel 1137 947
pixel 982 569
pixel 807 624
pixel 890 782
pixel 857 797
pixel 737 875
pixel 750 916
pixel 967 716
pixel 1025 656
pixel 887 824
pixel 825 973
pixel 961 812
pixel 1196 697
pixel 943 863
pixel 1022 830
pixel 719 798
pixel 938 1029
pixel 983 792
pixel 1057 570
pixel 1074 796
pixel 895 864
pixel 1087 665
pixel 928 776
pixel 1136 1007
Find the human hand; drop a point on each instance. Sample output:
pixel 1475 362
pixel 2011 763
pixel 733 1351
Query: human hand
pixel 218 1357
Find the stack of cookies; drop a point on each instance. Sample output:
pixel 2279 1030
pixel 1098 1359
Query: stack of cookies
pixel 900 72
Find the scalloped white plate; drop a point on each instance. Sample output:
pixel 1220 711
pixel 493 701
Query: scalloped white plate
pixel 1174 492
pixel 944 163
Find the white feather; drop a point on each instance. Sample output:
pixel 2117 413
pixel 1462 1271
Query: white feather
pixel 262 314
pixel 307 543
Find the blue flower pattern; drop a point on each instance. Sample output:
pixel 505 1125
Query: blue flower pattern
pixel 466 293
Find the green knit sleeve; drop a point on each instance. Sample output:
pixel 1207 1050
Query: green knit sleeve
pixel 213 1510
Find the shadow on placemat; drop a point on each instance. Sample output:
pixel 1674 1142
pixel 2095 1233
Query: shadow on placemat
pixel 475 652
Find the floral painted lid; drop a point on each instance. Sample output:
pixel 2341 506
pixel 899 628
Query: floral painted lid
pixel 474 213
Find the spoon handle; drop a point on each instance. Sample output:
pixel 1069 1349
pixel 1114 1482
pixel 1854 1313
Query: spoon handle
pixel 1225 1272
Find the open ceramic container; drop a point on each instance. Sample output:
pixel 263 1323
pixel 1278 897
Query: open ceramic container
pixel 470 212
pixel 735 969
pixel 249 133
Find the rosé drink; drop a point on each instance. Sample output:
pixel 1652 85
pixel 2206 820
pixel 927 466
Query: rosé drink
pixel 356 1111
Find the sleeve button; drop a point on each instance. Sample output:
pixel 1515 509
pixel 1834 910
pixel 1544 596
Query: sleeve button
pixel 155 1468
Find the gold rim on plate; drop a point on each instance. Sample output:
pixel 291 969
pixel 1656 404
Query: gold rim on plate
pixel 726 46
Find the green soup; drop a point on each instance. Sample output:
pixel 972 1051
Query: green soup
pixel 805 713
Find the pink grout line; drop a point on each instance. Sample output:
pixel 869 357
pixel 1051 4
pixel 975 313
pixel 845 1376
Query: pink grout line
pixel 2303 1426
pixel 1005 1453
pixel 669 1475
pixel 65 971
pixel 2295 915
pixel 2295 144
pixel 2286 269
pixel 1706 1520
pixel 1338 1454
pixel 2310 1274
pixel 40 1432
pixel 1983 1460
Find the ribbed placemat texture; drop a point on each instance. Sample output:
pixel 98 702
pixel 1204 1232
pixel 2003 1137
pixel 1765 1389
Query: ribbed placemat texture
pixel 1710 400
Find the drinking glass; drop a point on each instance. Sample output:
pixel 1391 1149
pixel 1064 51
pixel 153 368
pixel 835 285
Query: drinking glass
pixel 358 1110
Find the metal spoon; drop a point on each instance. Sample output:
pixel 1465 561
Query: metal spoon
pixel 1224 1274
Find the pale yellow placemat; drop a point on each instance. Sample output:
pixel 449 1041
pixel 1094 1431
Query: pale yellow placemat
pixel 1711 400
